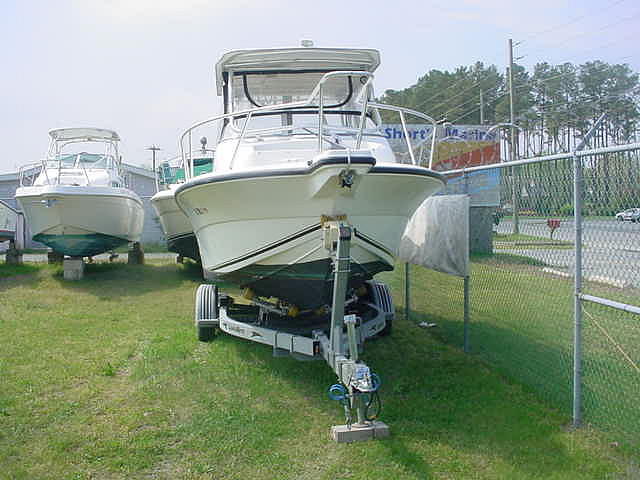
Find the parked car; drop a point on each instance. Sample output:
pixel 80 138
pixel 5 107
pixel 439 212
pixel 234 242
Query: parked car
pixel 632 215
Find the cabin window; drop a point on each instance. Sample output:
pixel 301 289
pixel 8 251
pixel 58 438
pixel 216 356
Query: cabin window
pixel 251 90
pixel 341 102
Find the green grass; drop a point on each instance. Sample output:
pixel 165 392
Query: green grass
pixel 522 325
pixel 511 240
pixel 13 270
pixel 104 378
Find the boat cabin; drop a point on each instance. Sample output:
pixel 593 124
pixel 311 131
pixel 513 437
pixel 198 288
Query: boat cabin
pixel 286 105
pixel 82 157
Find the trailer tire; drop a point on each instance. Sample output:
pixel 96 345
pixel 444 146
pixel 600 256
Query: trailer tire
pixel 207 312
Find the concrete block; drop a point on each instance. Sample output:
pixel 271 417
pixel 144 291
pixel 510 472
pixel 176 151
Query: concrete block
pixel 73 268
pixel 135 256
pixel 357 433
pixel 13 256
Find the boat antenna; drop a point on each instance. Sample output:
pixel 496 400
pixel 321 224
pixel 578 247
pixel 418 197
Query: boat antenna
pixel 203 142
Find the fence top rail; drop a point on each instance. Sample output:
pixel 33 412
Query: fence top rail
pixel 547 158
pixel 625 307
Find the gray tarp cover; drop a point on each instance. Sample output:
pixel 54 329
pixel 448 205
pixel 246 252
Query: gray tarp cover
pixel 437 236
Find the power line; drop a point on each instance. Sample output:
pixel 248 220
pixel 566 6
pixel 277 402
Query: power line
pixel 589 33
pixel 553 105
pixel 528 83
pixel 571 22
pixel 478 82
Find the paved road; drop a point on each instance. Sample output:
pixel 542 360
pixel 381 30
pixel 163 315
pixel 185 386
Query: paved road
pixel 611 249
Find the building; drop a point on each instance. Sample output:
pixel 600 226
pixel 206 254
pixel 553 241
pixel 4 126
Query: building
pixel 140 180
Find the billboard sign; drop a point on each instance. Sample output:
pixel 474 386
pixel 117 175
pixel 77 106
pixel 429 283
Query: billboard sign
pixel 457 146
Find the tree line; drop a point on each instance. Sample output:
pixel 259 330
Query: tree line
pixel 555 105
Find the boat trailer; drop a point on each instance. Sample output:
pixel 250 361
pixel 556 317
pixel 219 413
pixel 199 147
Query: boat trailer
pixel 358 387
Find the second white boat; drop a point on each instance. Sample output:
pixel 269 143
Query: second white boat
pixel 79 205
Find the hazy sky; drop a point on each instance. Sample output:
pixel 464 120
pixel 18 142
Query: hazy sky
pixel 145 67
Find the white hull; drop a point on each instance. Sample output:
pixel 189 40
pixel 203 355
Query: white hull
pixel 69 214
pixel 173 220
pixel 175 225
pixel 266 223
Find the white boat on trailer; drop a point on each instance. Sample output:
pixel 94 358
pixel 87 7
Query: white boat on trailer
pixel 299 146
pixel 305 204
pixel 79 205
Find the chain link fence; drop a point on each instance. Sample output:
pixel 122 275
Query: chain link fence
pixel 573 339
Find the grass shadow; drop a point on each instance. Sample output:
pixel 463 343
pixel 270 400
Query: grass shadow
pixel 117 279
pixel 15 275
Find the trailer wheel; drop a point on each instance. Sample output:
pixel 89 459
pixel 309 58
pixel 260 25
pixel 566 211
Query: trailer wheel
pixel 206 312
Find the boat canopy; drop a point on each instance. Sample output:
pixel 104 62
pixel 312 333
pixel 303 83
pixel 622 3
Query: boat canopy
pixel 296 59
pixel 86 133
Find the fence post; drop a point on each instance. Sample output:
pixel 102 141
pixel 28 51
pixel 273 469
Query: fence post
pixel 577 289
pixel 577 283
pixel 465 346
pixel 466 314
pixel 407 291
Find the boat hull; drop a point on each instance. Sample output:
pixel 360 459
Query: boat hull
pixel 82 221
pixel 175 225
pixel 264 229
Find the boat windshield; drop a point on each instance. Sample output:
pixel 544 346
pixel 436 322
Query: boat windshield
pixel 82 160
pixel 340 94
pixel 251 90
pixel 169 173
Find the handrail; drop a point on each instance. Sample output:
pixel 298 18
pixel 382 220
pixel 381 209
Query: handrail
pixel 85 173
pixel 316 92
pixel 30 166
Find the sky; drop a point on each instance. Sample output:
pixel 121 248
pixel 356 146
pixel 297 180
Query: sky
pixel 145 67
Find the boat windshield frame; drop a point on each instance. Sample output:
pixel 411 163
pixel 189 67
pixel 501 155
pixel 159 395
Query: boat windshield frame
pixel 55 159
pixel 176 163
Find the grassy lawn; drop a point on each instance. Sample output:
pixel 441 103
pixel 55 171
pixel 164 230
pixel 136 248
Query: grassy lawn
pixel 104 378
pixel 13 270
pixel 510 240
pixel 522 324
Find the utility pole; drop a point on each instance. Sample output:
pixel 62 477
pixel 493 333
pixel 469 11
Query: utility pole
pixel 514 189
pixel 481 109
pixel 154 149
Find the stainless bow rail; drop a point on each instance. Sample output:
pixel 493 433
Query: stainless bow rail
pixel 316 94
